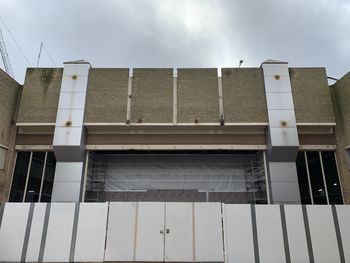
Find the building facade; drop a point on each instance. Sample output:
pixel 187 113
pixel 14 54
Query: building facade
pixel 247 143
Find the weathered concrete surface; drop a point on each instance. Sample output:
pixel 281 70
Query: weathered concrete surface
pixel 312 100
pixel 341 102
pixel 244 95
pixel 106 96
pixel 198 96
pixel 152 96
pixel 40 95
pixel 10 92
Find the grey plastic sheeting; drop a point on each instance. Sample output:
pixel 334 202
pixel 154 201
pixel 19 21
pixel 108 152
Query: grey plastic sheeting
pixel 209 172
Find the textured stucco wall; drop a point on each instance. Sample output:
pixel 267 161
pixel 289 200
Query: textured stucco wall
pixel 244 95
pixel 198 96
pixel 312 100
pixel 152 96
pixel 106 96
pixel 10 93
pixel 40 95
pixel 341 102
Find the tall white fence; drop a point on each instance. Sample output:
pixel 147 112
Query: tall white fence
pixel 176 232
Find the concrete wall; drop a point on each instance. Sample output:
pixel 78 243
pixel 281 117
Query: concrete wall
pixel 312 101
pixel 340 92
pixel 106 96
pixel 152 96
pixel 152 99
pixel 244 95
pixel 198 96
pixel 40 95
pixel 10 92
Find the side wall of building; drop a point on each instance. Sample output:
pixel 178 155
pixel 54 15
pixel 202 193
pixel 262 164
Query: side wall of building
pixel 10 92
pixel 340 92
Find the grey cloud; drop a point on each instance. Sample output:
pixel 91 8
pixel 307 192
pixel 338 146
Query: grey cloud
pixel 192 33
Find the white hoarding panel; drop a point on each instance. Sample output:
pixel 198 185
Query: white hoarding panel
pixel 59 232
pixel 36 232
pixel 179 232
pixel 343 212
pixel 91 232
pixel 322 232
pixel 12 231
pixel 208 232
pixel 296 233
pixel 150 232
pixel 239 243
pixel 270 235
pixel 121 231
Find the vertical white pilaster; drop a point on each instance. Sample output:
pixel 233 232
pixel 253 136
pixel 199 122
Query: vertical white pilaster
pixel 69 137
pixel 282 135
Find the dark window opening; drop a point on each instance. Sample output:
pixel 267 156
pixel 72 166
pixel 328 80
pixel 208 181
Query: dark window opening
pixel 316 178
pixel 19 177
pixel 33 177
pixel 332 178
pixel 34 180
pixel 303 179
pixel 321 175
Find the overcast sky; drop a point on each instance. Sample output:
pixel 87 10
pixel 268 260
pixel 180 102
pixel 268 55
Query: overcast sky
pixel 178 33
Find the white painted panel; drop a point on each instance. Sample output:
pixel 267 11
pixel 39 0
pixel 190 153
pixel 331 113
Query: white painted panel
pixel 12 232
pixel 239 243
pixel 178 220
pixel 343 212
pixel 59 232
pixel 66 191
pixel 121 231
pixel 67 136
pixel 279 101
pixel 280 85
pixel 284 136
pixel 90 241
pixel 75 116
pixel 276 116
pixel 36 232
pixel 270 235
pixel 76 69
pixel 275 69
pixel 208 232
pixel 322 231
pixel 150 228
pixel 296 233
pixel 282 171
pixel 70 85
pixel 68 171
pixel 72 100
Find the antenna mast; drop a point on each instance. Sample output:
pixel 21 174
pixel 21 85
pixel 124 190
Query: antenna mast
pixel 5 56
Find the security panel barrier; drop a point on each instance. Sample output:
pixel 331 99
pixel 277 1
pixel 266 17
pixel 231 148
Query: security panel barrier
pixel 173 232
